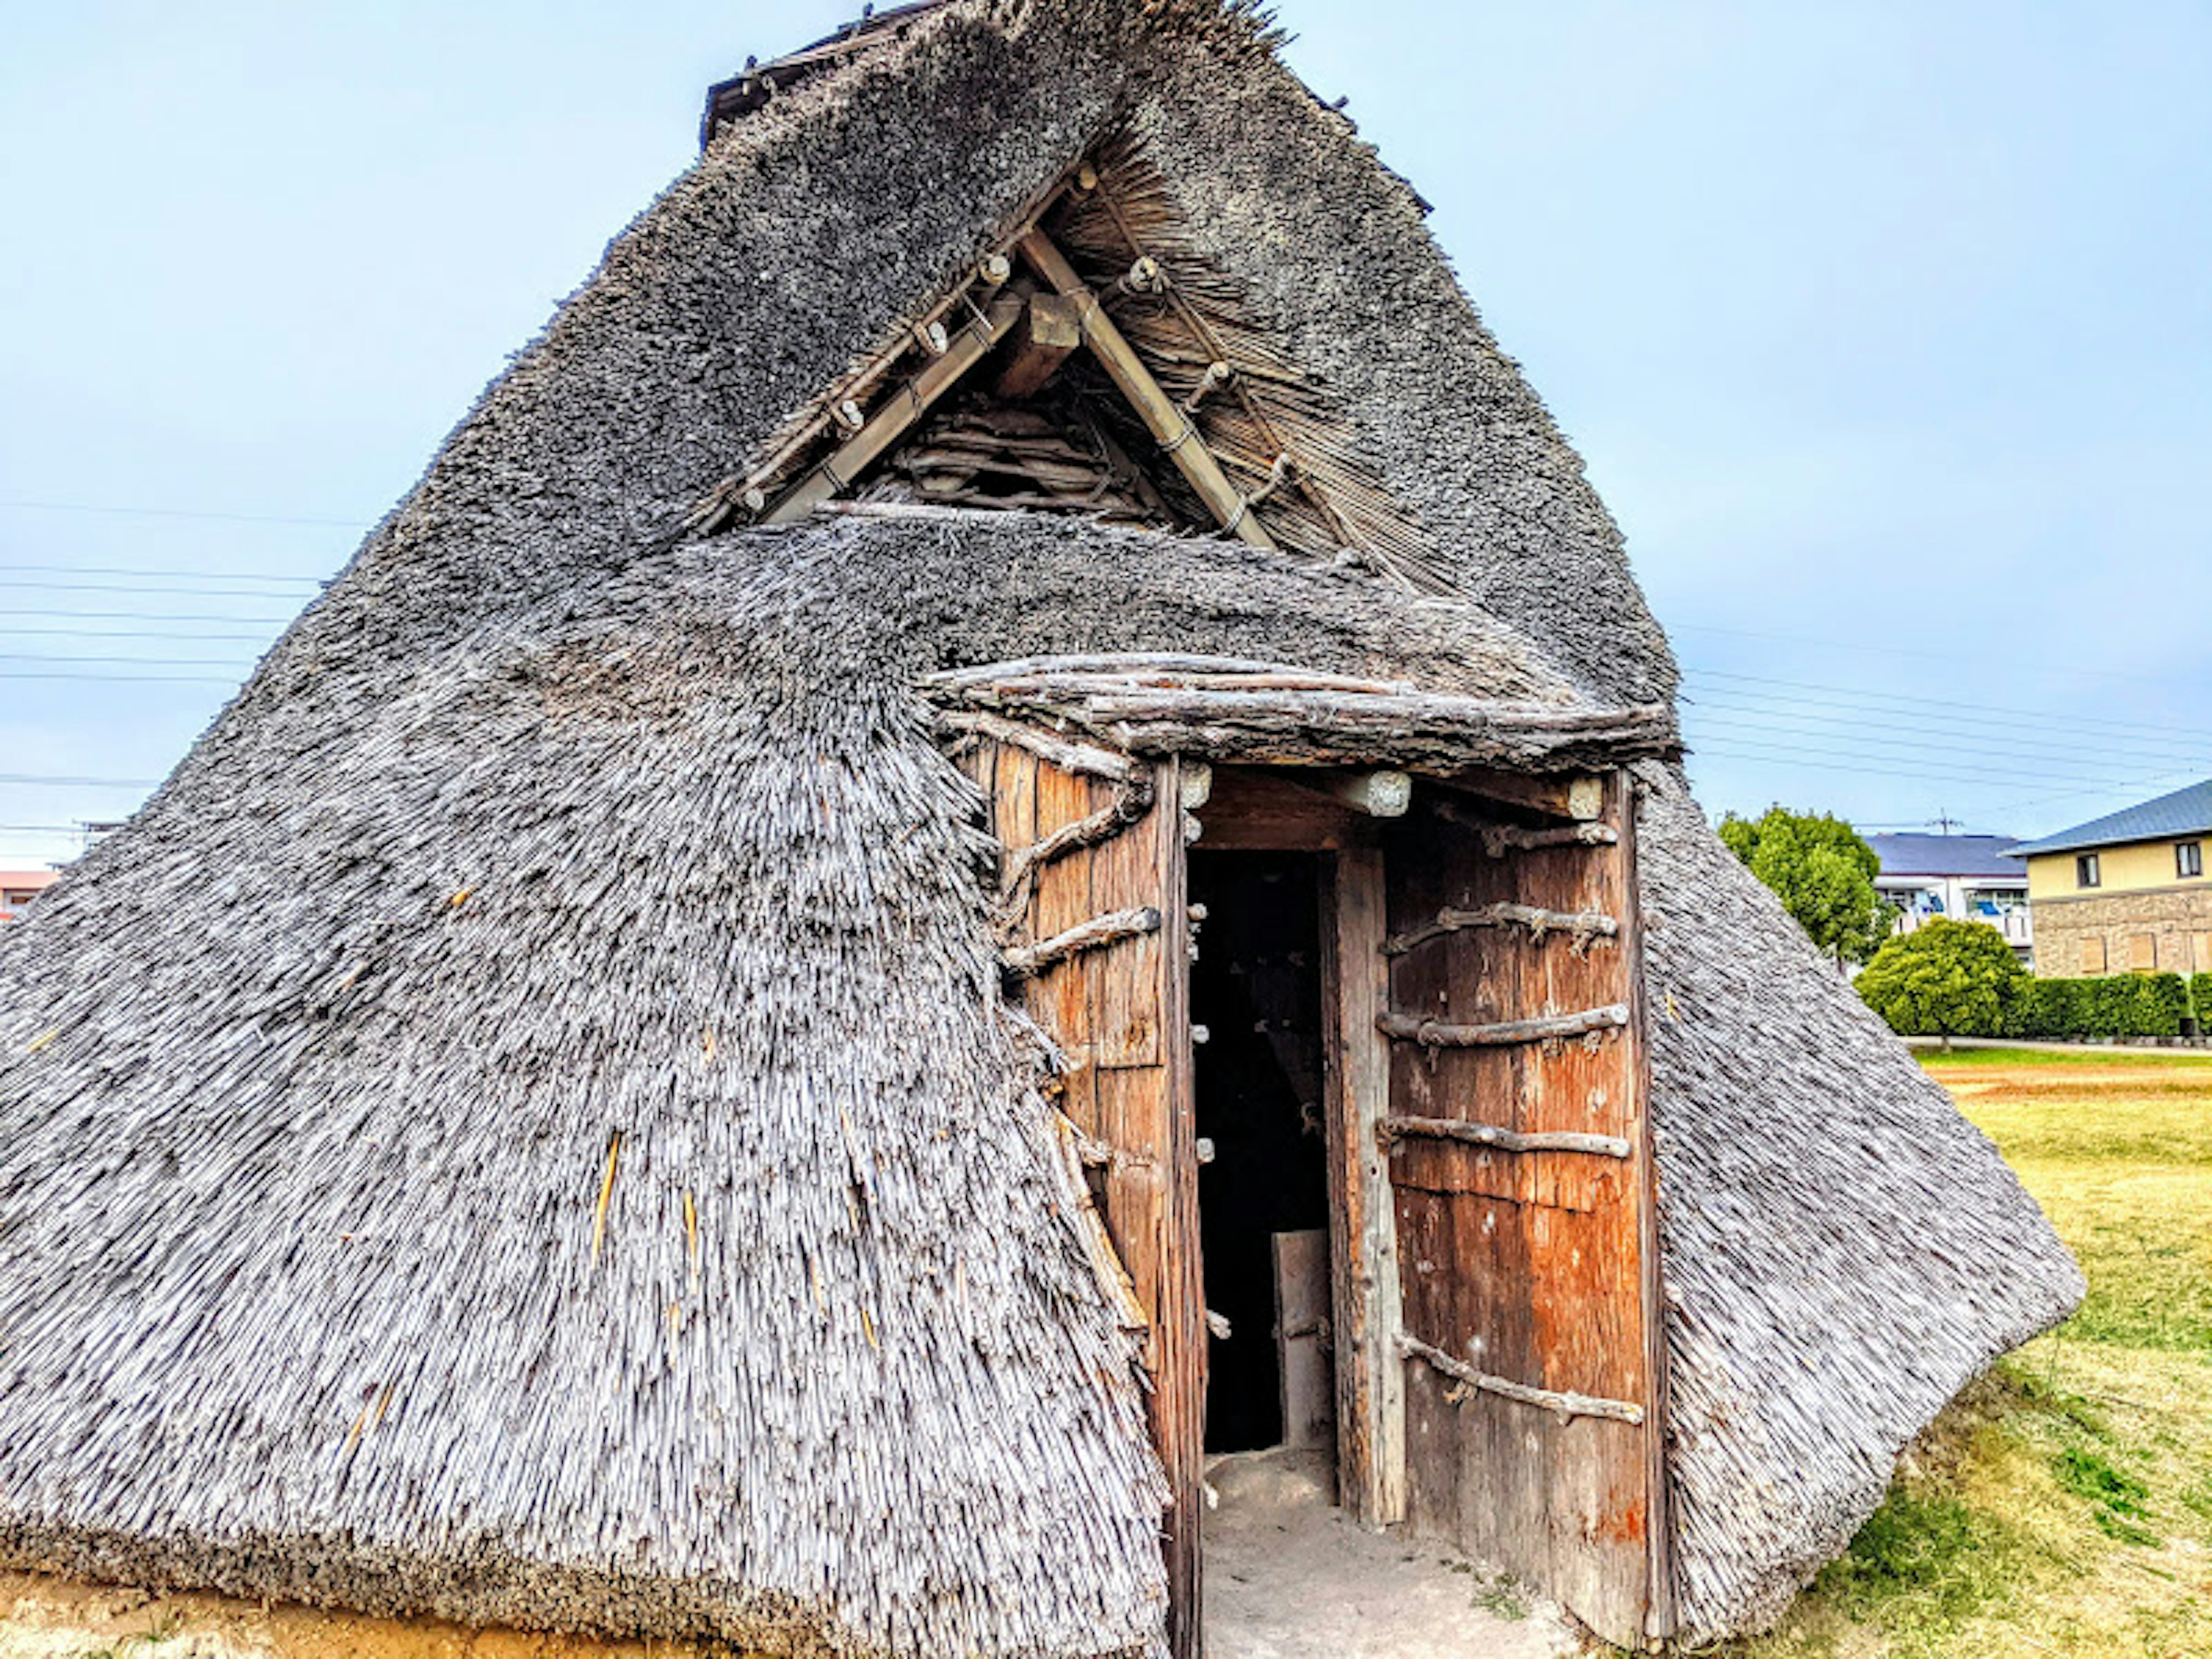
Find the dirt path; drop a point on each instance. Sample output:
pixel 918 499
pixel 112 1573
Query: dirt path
pixel 1287 1576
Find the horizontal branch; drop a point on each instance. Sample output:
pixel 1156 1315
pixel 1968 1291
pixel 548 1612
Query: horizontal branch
pixel 1583 925
pixel 1067 753
pixel 1092 935
pixel 1503 1140
pixel 1436 1034
pixel 1129 804
pixel 1550 1399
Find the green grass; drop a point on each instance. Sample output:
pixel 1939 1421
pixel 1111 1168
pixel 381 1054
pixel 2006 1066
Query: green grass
pixel 1936 1059
pixel 2064 1504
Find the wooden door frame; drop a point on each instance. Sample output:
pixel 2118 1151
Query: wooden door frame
pixel 1363 1216
pixel 1273 809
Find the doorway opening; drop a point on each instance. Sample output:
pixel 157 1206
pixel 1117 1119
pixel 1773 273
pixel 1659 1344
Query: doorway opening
pixel 1263 1176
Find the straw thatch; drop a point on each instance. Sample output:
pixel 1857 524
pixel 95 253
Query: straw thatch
pixel 523 1126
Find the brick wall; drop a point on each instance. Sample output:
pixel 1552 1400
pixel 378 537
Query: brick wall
pixel 2173 929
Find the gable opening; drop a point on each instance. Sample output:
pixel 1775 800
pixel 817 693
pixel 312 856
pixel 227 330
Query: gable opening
pixel 1099 361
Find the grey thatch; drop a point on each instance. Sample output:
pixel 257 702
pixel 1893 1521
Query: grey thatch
pixel 524 1125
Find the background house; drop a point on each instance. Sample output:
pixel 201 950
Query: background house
pixel 1966 878
pixel 18 888
pixel 2125 892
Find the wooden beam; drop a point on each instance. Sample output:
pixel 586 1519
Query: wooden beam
pixel 1051 330
pixel 1661 1617
pixel 1580 800
pixel 836 474
pixel 1363 1222
pixel 1375 794
pixel 1162 416
pixel 1252 810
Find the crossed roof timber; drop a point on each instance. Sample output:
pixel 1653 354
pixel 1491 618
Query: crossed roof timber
pixel 1169 421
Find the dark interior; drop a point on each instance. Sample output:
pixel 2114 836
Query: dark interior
pixel 1256 988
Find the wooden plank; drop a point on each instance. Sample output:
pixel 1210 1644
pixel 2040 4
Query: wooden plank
pixel 1363 1214
pixel 1161 414
pixel 1302 1333
pixel 1129 980
pixel 1181 1321
pixel 1661 1619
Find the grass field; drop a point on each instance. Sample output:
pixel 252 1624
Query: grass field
pixel 2064 1504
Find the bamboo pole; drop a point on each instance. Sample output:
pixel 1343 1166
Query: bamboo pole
pixel 1162 416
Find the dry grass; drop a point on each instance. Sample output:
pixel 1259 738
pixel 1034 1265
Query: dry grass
pixel 2064 1504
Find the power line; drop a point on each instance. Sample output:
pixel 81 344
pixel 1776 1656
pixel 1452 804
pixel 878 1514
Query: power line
pixel 131 680
pixel 137 588
pixel 1910 766
pixel 133 634
pixel 179 513
pixel 1942 741
pixel 183 575
pixel 156 616
pixel 42 778
pixel 128 662
pixel 1857 646
pixel 1939 718
pixel 2031 714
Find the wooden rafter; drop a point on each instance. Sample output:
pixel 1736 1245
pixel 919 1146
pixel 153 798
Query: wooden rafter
pixel 1217 353
pixel 1162 416
pixel 878 431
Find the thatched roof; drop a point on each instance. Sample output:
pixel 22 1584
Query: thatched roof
pixel 523 1125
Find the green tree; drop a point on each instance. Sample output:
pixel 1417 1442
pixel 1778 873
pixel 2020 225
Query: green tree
pixel 1822 871
pixel 1945 979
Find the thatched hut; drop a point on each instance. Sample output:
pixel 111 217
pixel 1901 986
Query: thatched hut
pixel 1013 730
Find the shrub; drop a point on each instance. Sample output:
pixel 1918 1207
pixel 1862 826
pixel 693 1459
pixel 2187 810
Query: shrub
pixel 1945 979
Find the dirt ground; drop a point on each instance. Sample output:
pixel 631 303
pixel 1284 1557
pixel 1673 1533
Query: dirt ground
pixel 44 1617
pixel 1288 1578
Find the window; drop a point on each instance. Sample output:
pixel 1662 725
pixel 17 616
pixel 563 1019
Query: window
pixel 2143 952
pixel 2188 859
pixel 2086 874
pixel 2093 956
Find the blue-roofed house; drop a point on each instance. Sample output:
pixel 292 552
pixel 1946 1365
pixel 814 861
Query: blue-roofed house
pixel 2126 892
pixel 1966 878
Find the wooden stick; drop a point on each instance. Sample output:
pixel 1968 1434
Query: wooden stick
pixel 1167 422
pixel 1580 924
pixel 1437 1034
pixel 834 476
pixel 1130 804
pixel 1503 1140
pixel 1094 934
pixel 1066 753
pixel 1566 1405
pixel 1377 795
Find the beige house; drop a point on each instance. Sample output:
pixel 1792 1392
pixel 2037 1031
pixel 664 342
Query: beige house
pixel 2126 892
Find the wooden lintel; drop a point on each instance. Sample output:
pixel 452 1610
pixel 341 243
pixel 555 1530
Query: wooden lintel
pixel 1162 415
pixel 1579 798
pixel 1265 809
pixel 1374 794
pixel 878 431
pixel 1050 331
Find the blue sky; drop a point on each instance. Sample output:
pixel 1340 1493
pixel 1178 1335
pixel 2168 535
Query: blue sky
pixel 1885 329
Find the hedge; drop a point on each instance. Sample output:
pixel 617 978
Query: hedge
pixel 2122 1006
